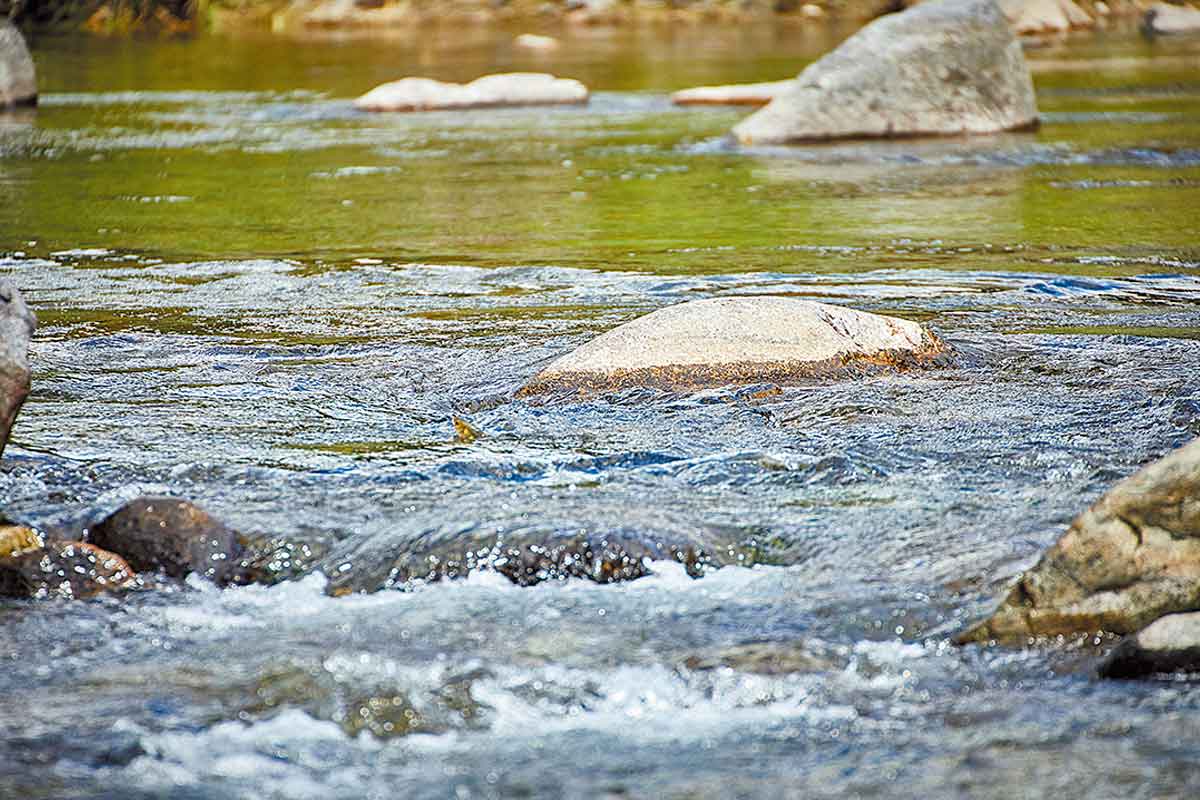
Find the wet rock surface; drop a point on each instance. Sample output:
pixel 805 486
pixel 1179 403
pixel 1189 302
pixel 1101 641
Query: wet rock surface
pixel 173 535
pixel 64 571
pixel 526 560
pixel 738 94
pixel 1169 644
pixel 1126 561
pixel 491 91
pixel 17 324
pixel 1167 19
pixel 944 67
pixel 740 340
pixel 18 82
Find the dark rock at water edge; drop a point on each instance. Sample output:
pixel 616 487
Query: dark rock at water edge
pixel 1126 561
pixel 1170 644
pixel 173 535
pixel 18 82
pixel 526 560
pixel 65 571
pixel 17 324
pixel 941 68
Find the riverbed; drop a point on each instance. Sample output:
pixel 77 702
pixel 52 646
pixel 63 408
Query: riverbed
pixel 256 297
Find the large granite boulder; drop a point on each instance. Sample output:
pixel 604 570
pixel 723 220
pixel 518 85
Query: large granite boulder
pixel 1045 16
pixel 1126 561
pixel 943 67
pixel 1164 19
pixel 172 535
pixel 740 340
pixel 491 91
pixel 737 94
pixel 18 83
pixel 17 324
pixel 1169 644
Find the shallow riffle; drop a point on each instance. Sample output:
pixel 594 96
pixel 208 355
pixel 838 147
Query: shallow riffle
pixel 256 298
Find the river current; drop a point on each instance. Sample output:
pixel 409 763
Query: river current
pixel 255 297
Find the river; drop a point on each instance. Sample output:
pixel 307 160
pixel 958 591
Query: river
pixel 255 297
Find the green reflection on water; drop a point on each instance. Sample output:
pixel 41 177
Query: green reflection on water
pixel 627 190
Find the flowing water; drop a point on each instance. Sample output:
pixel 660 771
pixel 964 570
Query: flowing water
pixel 255 297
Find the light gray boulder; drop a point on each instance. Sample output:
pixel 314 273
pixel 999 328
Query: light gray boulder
pixel 1169 644
pixel 737 94
pixel 943 67
pixel 1165 19
pixel 1126 561
pixel 17 324
pixel 18 83
pixel 740 340
pixel 491 91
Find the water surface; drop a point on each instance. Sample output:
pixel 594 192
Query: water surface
pixel 253 296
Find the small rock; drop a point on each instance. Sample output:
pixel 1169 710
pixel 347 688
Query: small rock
pixel 764 658
pixel 172 535
pixel 532 41
pixel 64 570
pixel 812 11
pixel 1045 16
pixel 18 539
pixel 706 343
pixel 1166 19
pixel 1169 644
pixel 1126 561
pixel 491 91
pixel 943 67
pixel 18 82
pixel 17 324
pixel 738 94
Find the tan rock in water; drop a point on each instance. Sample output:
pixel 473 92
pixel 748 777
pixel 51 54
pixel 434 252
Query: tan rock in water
pixel 1045 16
pixel 943 67
pixel 738 94
pixel 739 340
pixel 1126 561
pixel 17 324
pixel 491 91
pixel 1169 644
pixel 18 82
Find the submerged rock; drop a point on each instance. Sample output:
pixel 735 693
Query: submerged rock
pixel 491 91
pixel 1169 644
pixel 1126 561
pixel 943 67
pixel 526 560
pixel 1165 19
pixel 738 94
pixel 1045 16
pixel 172 535
pixel 18 82
pixel 17 324
pixel 533 41
pixel 731 340
pixel 65 571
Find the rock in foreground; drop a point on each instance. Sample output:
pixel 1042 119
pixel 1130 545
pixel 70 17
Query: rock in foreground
pixel 738 94
pixel 739 340
pixel 64 571
pixel 943 67
pixel 18 83
pixel 17 323
pixel 491 91
pixel 173 535
pixel 1126 561
pixel 1166 19
pixel 1170 644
